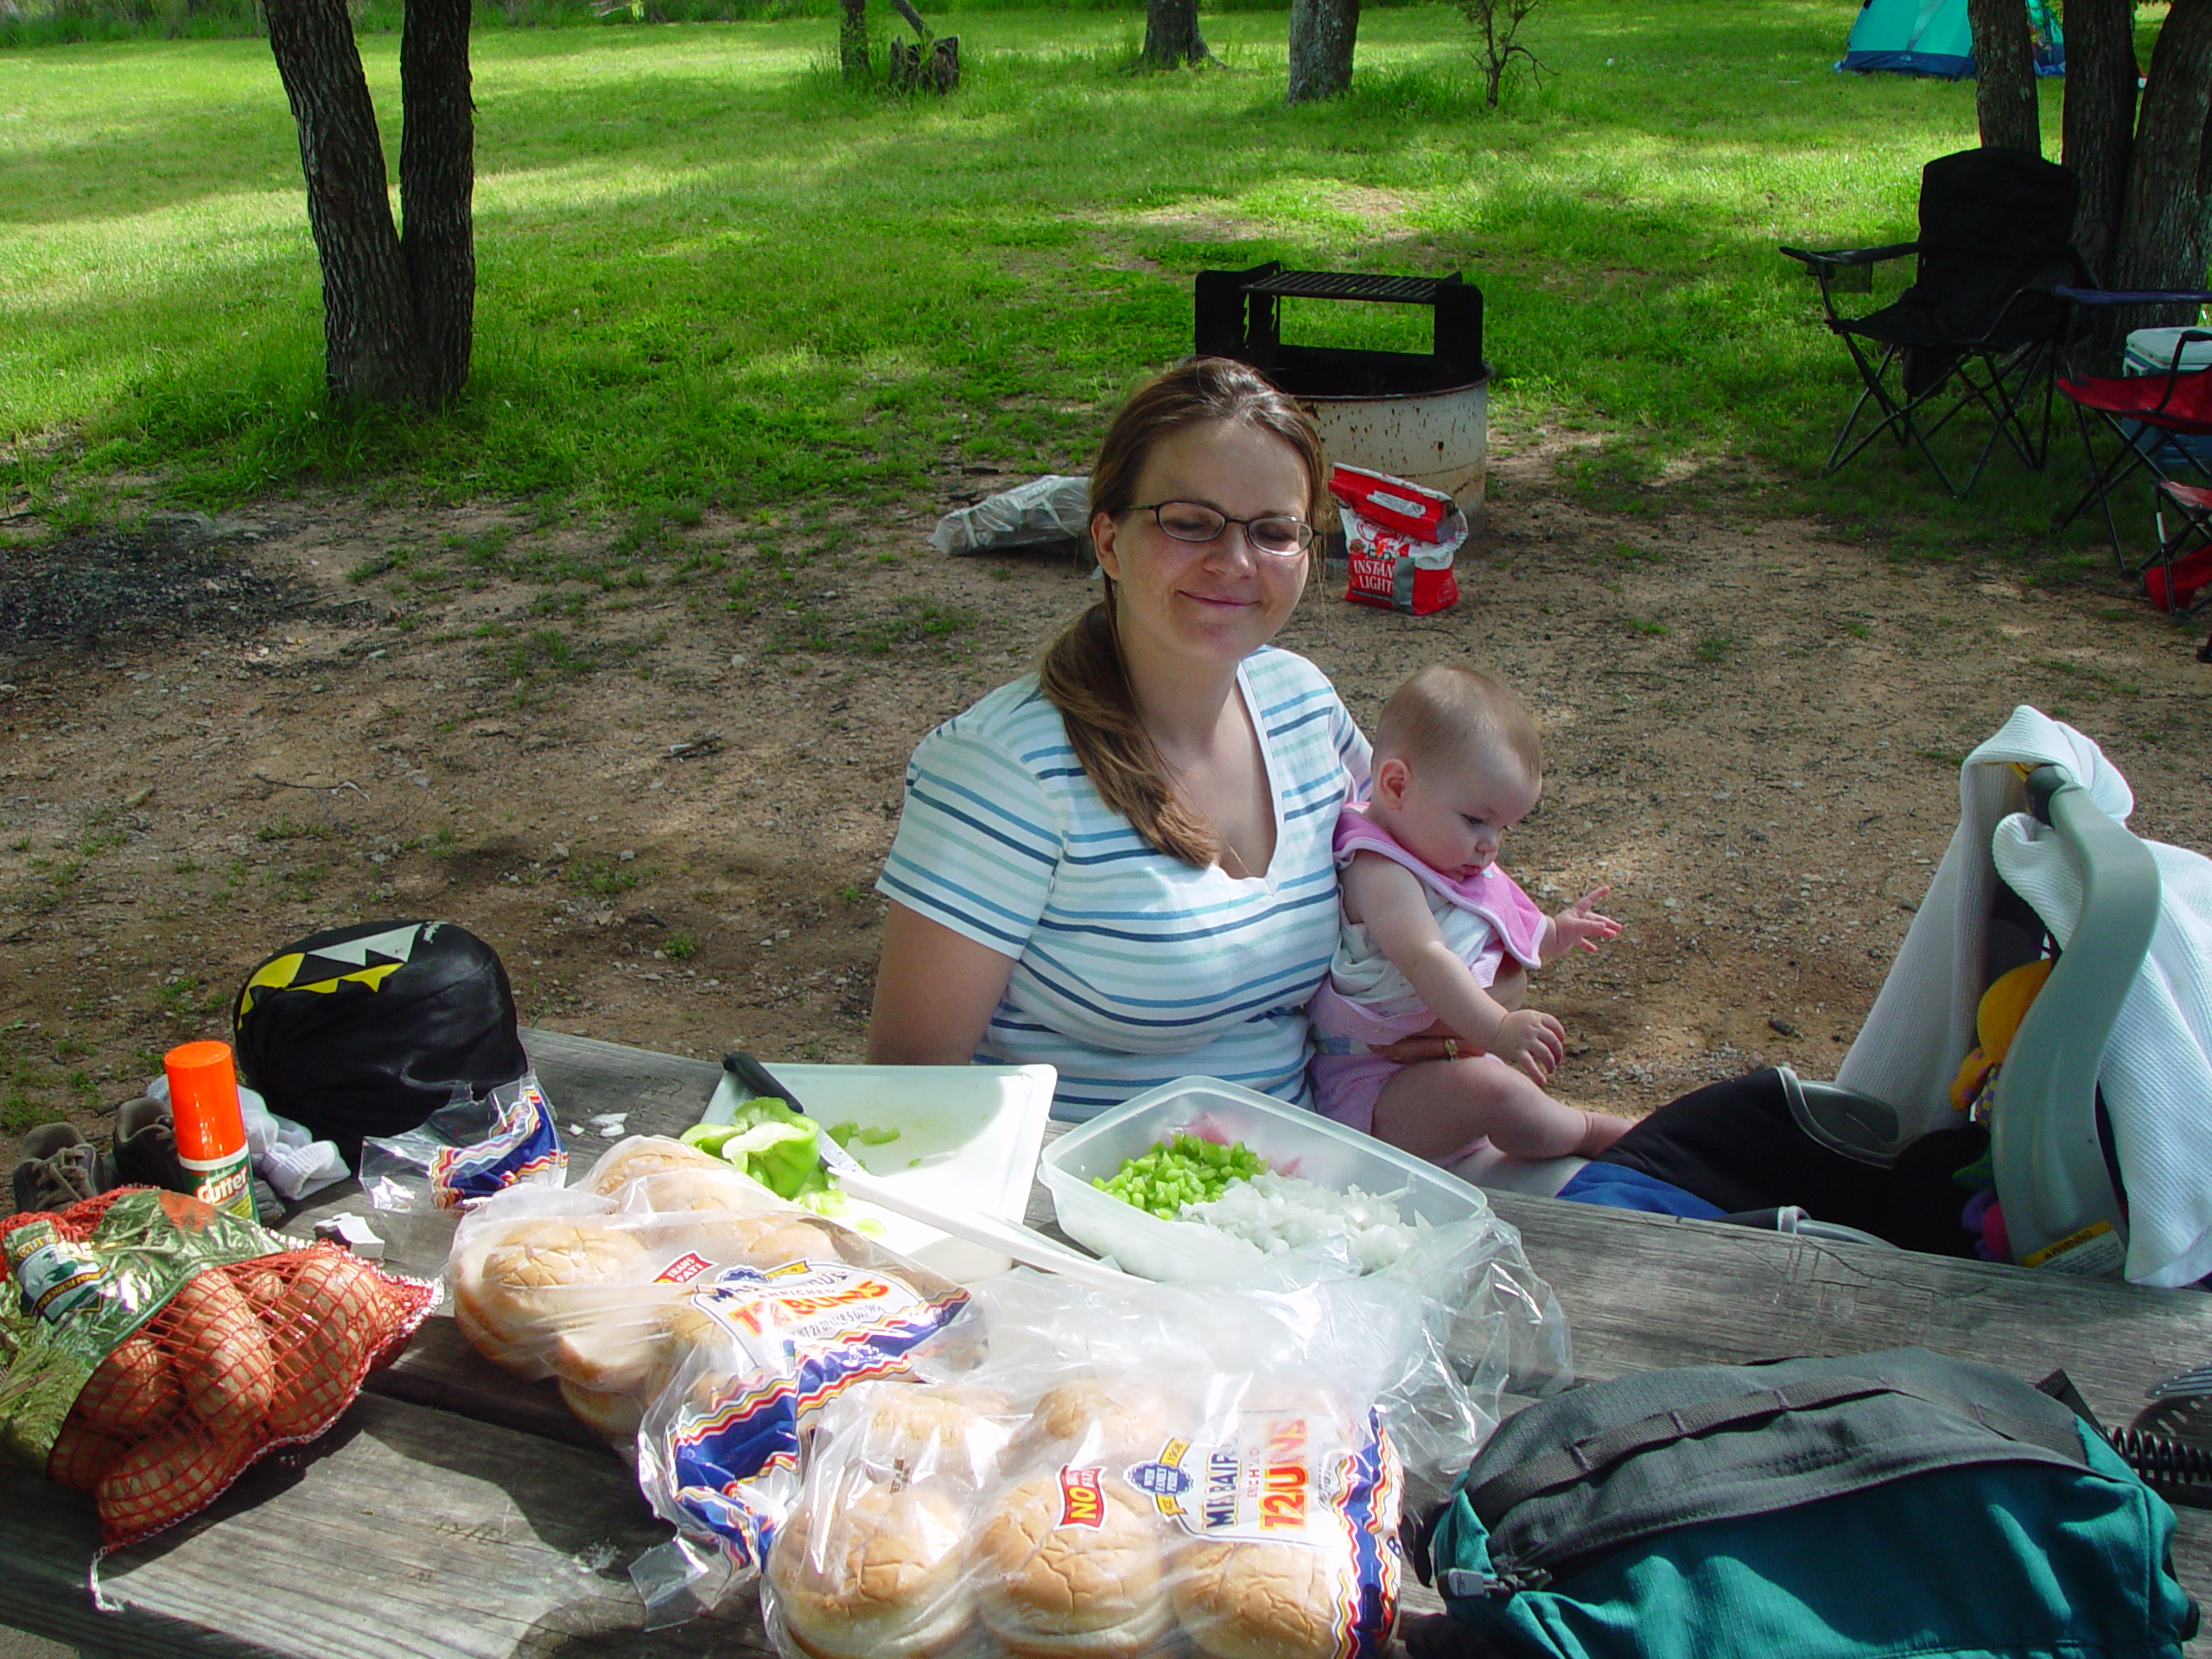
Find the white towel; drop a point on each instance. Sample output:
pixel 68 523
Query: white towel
pixel 1922 1022
pixel 2157 1075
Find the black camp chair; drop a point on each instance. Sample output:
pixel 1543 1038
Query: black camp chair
pixel 1978 329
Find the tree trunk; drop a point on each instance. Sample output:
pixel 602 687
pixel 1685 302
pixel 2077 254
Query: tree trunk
pixel 2166 236
pixel 437 184
pixel 2004 76
pixel 2099 122
pixel 368 319
pixel 1322 34
pixel 1171 35
pixel 852 39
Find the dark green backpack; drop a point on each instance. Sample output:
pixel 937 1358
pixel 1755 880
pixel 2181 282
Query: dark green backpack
pixel 1871 1507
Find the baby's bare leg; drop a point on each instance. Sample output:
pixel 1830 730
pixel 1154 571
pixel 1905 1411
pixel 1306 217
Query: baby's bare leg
pixel 1434 1109
pixel 1511 988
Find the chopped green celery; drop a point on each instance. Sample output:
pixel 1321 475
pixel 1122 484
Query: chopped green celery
pixel 1181 1170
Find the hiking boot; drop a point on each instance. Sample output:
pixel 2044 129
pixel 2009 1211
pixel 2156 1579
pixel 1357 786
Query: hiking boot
pixel 145 1146
pixel 59 1168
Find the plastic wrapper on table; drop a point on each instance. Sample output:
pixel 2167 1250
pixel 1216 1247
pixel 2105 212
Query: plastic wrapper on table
pixel 1050 509
pixel 467 1150
pixel 1159 1470
pixel 153 1347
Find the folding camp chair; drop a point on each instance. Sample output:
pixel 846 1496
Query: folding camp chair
pixel 2179 576
pixel 2151 418
pixel 1980 326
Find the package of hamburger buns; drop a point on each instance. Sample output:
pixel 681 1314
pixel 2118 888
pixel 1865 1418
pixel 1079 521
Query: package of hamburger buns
pixel 699 1322
pixel 1161 1470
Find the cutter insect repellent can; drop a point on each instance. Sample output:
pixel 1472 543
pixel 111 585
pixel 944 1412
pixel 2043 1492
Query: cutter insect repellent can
pixel 210 1128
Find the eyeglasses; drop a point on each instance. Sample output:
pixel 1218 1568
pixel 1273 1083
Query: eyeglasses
pixel 1276 534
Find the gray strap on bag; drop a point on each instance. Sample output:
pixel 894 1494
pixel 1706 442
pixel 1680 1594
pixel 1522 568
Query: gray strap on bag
pixel 1496 1496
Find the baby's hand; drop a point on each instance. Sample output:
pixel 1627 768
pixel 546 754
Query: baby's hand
pixel 1530 1041
pixel 1579 925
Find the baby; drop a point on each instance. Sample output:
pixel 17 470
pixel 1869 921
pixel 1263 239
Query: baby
pixel 1436 938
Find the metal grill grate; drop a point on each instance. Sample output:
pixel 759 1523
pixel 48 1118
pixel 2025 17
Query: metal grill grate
pixel 1347 285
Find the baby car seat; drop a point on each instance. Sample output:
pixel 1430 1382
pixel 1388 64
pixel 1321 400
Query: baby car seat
pixel 1875 1155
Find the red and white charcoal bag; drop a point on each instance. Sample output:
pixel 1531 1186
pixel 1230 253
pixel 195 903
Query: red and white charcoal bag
pixel 1399 539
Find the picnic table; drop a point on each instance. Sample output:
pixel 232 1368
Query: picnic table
pixel 454 1510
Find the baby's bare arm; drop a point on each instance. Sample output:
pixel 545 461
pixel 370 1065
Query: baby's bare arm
pixel 1390 900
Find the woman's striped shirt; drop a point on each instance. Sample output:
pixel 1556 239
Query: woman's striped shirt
pixel 1131 968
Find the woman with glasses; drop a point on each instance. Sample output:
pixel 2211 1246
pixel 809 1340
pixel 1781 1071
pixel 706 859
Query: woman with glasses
pixel 1120 866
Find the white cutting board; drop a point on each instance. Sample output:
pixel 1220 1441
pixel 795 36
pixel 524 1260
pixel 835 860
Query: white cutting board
pixel 968 1137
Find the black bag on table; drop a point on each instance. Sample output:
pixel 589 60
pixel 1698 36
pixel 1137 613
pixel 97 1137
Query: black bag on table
pixel 365 1031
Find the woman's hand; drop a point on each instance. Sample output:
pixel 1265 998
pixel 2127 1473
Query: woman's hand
pixel 935 993
pixel 1436 1044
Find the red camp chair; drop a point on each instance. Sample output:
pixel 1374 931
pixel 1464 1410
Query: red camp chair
pixel 2142 414
pixel 2180 577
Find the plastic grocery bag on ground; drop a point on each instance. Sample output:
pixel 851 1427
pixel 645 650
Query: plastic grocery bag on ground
pixel 155 1347
pixel 690 1313
pixel 468 1150
pixel 1162 1470
pixel 1049 509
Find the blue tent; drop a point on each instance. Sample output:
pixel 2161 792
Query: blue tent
pixel 1931 37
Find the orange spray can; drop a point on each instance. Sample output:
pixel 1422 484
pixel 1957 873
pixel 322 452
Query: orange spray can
pixel 210 1128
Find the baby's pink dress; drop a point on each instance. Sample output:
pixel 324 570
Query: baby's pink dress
pixel 1346 1077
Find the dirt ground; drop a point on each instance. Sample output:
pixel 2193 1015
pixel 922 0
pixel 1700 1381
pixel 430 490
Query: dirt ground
pixel 662 790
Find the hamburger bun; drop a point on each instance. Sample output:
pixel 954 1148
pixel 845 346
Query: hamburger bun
pixel 719 1191
pixel 795 1239
pixel 926 1432
pixel 869 1573
pixel 646 1155
pixel 1050 1591
pixel 615 1417
pixel 1091 1420
pixel 526 1282
pixel 616 1349
pixel 1264 1600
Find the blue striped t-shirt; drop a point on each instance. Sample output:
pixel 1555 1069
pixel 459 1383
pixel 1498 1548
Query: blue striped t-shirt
pixel 1131 968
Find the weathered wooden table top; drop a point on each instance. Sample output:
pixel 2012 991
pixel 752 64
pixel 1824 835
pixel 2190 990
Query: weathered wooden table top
pixel 456 1511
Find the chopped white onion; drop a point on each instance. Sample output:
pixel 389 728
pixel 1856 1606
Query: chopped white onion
pixel 1280 1213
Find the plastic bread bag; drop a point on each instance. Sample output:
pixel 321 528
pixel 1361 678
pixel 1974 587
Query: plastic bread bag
pixel 764 1350
pixel 1169 1470
pixel 696 1320
pixel 1488 1323
pixel 152 1348
pixel 584 1284
pixel 467 1150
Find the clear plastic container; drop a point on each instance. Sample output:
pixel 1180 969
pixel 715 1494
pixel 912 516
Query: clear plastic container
pixel 1293 1140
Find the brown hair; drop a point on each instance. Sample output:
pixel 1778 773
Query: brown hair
pixel 1084 674
pixel 1441 710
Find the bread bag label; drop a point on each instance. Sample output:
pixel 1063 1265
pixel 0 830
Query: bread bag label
pixel 805 1305
pixel 1082 1504
pixel 523 1144
pixel 1277 1477
pixel 682 1271
pixel 799 1336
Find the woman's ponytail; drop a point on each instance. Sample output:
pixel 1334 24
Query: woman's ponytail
pixel 1084 677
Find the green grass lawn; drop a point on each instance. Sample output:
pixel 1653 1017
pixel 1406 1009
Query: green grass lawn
pixel 710 275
